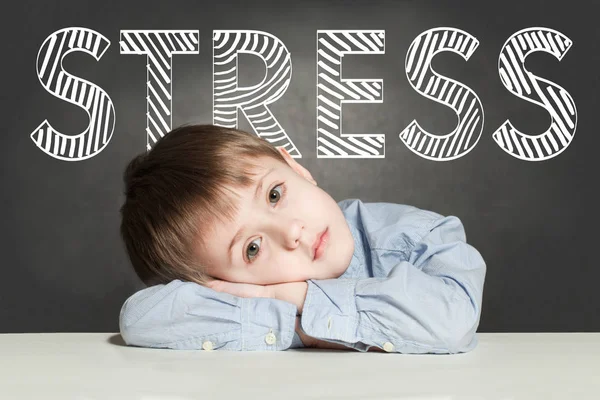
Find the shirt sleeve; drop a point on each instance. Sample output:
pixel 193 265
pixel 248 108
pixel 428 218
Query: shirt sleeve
pixel 430 303
pixel 187 316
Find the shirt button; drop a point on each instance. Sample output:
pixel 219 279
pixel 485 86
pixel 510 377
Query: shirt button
pixel 270 338
pixel 208 345
pixel 387 346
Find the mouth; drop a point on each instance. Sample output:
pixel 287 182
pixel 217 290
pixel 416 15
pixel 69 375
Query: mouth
pixel 320 244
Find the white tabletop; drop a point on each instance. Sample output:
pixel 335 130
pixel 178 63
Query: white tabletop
pixel 504 366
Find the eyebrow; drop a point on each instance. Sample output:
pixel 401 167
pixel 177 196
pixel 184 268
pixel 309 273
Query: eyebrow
pixel 238 235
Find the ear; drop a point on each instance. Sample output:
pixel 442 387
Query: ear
pixel 300 170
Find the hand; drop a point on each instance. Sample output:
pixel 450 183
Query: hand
pixel 292 292
pixel 239 289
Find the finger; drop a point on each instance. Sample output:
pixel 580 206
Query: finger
pixel 228 287
pixel 213 284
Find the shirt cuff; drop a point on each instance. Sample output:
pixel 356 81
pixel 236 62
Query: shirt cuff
pixel 329 312
pixel 267 324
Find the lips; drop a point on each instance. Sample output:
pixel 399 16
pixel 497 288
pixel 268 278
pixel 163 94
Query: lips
pixel 321 240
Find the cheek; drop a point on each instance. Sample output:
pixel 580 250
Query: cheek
pixel 288 267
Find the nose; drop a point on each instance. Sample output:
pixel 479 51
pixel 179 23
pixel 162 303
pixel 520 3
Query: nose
pixel 291 231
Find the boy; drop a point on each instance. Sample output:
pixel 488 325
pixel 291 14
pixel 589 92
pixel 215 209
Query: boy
pixel 242 250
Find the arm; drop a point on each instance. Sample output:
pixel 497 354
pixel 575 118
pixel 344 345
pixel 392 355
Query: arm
pixel 295 293
pixel 291 292
pixel 185 315
pixel 430 302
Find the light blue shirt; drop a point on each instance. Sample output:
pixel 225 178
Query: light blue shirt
pixel 413 286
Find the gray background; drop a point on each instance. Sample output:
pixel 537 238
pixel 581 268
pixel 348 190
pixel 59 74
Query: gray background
pixel 64 267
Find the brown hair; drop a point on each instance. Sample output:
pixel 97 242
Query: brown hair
pixel 174 192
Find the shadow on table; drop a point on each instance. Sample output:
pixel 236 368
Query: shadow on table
pixel 117 340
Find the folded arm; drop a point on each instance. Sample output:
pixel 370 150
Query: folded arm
pixel 185 315
pixel 428 303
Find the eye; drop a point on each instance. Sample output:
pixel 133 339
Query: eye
pixel 275 195
pixel 253 250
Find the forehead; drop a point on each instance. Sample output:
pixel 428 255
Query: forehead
pixel 257 166
pixel 240 198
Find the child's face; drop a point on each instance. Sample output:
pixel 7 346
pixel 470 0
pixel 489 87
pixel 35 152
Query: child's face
pixel 279 230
